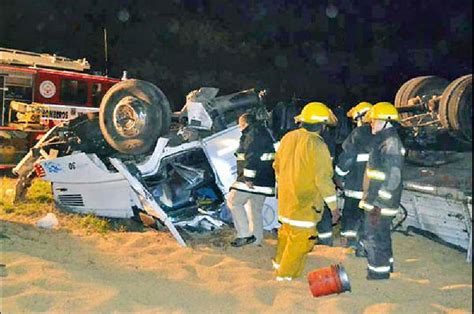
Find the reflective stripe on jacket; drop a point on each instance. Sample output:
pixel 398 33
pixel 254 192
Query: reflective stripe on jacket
pixel 383 176
pixel 383 211
pixel 304 174
pixel 354 194
pixel 351 163
pixel 255 157
pixel 264 190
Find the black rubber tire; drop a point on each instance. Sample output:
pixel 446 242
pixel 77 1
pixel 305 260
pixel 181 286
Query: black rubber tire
pixel 419 86
pixel 156 122
pixel 456 102
pixel 401 91
pixel 165 115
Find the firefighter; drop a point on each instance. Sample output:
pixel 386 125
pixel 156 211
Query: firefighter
pixel 303 169
pixel 255 181
pixel 324 226
pixel 349 173
pixel 382 189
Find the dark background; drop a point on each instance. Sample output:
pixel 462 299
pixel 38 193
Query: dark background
pixel 337 52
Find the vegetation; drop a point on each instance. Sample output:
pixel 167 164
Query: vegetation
pixel 95 224
pixel 39 202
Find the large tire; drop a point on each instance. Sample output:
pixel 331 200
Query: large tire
pixel 133 115
pixel 418 86
pixel 456 102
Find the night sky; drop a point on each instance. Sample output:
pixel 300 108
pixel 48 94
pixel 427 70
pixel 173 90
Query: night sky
pixel 337 52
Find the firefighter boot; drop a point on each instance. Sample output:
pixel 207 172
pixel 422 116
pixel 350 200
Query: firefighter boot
pixel 360 250
pixel 373 275
pixel 326 241
pixel 351 243
pixel 238 242
pixel 324 227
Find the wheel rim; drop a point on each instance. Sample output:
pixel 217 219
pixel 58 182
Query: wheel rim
pixel 423 86
pixel 129 116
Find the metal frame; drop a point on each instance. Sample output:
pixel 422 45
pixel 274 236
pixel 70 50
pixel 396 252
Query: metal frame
pixel 444 212
pixel 12 56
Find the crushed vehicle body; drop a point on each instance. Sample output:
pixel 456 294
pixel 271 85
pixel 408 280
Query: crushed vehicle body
pixel 438 202
pixel 179 171
pixel 437 119
pixel 178 179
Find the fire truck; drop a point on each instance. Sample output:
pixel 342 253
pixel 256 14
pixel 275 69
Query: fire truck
pixel 38 91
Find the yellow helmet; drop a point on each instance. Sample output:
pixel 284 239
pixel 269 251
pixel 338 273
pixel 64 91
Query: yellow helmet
pixel 316 112
pixel 382 111
pixel 359 110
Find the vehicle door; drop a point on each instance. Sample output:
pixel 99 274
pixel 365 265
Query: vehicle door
pixel 220 149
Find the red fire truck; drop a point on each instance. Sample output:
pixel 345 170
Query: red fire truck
pixel 38 91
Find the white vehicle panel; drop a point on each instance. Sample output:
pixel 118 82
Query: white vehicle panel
pixel 220 149
pixel 78 168
pixel 82 184
pixel 112 199
pixel 152 164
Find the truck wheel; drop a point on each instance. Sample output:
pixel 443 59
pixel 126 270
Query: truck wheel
pixel 456 104
pixel 133 115
pixel 418 86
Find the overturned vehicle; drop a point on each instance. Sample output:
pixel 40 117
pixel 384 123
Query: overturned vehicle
pixel 138 159
pixel 437 124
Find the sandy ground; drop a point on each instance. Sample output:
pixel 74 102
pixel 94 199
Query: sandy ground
pixel 71 271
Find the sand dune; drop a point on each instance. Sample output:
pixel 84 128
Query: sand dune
pixel 70 271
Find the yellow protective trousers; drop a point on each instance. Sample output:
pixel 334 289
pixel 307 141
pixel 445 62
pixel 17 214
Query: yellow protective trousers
pixel 294 244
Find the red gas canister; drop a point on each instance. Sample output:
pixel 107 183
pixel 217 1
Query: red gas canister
pixel 328 280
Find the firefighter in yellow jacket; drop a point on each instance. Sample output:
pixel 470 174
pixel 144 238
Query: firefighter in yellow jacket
pixel 304 172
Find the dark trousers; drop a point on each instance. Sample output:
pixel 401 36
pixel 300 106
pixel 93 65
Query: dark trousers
pixel 351 219
pixel 324 228
pixel 378 246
